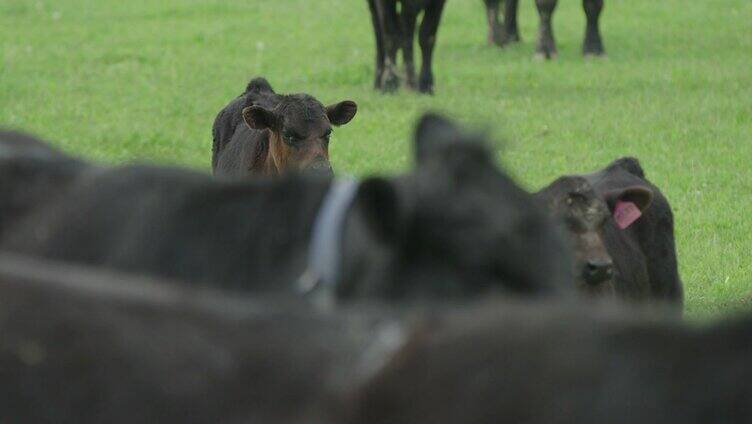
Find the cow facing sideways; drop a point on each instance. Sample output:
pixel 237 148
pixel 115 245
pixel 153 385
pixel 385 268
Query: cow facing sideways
pixel 622 230
pixel 395 30
pixel 454 226
pixel 503 33
pixel 265 133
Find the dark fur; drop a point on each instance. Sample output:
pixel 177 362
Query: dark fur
pixel 557 364
pixel 230 120
pixel 243 148
pixel 31 174
pixel 80 346
pixel 456 225
pixel 583 214
pixel 644 254
pixel 653 232
pixel 395 31
pixel 508 32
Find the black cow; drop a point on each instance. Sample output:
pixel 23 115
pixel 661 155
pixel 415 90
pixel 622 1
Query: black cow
pixel 265 133
pixel 563 364
pixel 80 346
pixel 507 32
pixel 622 227
pixel 394 30
pixel 456 225
pixel 31 174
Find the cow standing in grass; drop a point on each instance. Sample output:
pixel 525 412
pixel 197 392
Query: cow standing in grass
pixel 503 33
pixel 265 133
pixel 395 30
pixel 622 229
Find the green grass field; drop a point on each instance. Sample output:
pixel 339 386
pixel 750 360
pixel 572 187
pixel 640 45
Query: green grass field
pixel 142 80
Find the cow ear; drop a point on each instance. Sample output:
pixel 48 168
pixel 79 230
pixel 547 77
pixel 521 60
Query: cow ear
pixel 258 118
pixel 342 112
pixel 378 203
pixel 432 133
pixel 628 204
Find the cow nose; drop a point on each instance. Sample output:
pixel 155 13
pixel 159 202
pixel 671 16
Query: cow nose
pixel 598 271
pixel 321 168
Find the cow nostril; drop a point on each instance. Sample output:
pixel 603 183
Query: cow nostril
pixel 320 168
pixel 597 271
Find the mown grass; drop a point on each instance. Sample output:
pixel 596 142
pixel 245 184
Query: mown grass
pixel 143 80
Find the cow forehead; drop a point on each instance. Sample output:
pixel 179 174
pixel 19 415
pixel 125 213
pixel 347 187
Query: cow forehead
pixel 304 115
pixel 303 127
pixel 577 200
pixel 570 185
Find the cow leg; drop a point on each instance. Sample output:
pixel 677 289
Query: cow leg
pixel 392 39
pixel 511 32
pixel 546 48
pixel 409 20
pixel 379 34
pixel 427 39
pixel 593 45
pixel 492 15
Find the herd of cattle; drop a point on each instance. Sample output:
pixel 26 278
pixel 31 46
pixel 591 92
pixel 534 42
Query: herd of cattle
pixel 447 294
pixel 395 22
pixel 274 292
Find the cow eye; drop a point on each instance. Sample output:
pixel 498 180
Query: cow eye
pixel 292 139
pixel 575 198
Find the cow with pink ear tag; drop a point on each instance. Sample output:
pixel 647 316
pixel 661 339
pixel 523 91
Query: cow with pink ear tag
pixel 622 232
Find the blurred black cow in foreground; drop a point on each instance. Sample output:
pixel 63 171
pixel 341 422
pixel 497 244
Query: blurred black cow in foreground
pixel 265 133
pixel 31 172
pixel 507 32
pixel 455 226
pixel 559 364
pixel 622 228
pixel 395 30
pixel 79 346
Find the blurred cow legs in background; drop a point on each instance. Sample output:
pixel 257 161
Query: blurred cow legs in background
pixel 395 29
pixel 546 47
pixel 427 39
pixel 387 29
pixel 379 44
pixel 409 18
pixel 506 32
pixel 592 46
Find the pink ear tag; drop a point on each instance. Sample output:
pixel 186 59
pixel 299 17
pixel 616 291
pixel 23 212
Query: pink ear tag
pixel 625 213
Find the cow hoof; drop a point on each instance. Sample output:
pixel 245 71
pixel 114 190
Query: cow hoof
pixel 593 51
pixel 541 56
pixel 594 56
pixel 390 84
pixel 426 89
pixel 503 38
pixel 411 84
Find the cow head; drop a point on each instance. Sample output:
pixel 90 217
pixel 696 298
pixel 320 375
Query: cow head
pixel 300 128
pixel 585 215
pixel 456 226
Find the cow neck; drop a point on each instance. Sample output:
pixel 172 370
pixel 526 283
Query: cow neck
pixel 322 274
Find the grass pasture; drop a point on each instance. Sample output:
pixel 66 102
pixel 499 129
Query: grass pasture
pixel 142 80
